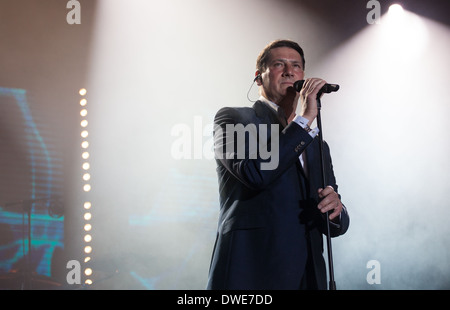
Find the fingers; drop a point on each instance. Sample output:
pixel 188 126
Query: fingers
pixel 330 202
pixel 308 94
pixel 312 87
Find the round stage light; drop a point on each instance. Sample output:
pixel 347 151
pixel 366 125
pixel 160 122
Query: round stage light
pixel 396 10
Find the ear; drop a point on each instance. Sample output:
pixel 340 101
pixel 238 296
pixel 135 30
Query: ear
pixel 258 78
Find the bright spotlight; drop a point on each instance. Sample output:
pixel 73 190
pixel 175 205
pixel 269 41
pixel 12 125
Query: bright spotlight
pixel 87 238
pixel 87 216
pixel 396 10
pixel 88 271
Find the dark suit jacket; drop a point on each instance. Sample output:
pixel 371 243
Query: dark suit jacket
pixel 269 226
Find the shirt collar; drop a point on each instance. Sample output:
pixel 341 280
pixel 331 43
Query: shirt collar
pixel 271 104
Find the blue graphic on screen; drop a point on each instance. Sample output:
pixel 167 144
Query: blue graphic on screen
pixel 31 181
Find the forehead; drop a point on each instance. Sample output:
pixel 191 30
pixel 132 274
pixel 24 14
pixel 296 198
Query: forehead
pixel 285 53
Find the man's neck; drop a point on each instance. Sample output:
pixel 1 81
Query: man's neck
pixel 290 114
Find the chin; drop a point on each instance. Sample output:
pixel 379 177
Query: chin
pixel 286 90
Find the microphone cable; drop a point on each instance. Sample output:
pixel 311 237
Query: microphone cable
pixel 251 86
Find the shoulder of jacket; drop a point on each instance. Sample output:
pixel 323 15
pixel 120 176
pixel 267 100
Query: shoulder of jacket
pixel 236 113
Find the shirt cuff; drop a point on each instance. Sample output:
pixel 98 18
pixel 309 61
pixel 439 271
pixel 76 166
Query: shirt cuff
pixel 303 122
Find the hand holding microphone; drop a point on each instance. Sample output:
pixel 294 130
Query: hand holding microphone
pixel 327 88
pixel 310 90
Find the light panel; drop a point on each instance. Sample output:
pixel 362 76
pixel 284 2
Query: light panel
pixel 86 177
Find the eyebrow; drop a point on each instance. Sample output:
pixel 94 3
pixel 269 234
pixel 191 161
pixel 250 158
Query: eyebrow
pixel 286 60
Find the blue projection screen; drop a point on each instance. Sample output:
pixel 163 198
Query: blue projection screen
pixel 31 183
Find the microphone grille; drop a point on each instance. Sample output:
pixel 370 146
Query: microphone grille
pixel 298 85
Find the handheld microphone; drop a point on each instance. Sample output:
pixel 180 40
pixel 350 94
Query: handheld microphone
pixel 327 88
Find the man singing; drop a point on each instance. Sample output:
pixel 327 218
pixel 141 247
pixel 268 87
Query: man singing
pixel 272 218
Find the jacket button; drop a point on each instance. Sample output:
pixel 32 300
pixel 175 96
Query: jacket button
pixel 298 147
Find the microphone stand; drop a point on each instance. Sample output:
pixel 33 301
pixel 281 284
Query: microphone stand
pixel 332 283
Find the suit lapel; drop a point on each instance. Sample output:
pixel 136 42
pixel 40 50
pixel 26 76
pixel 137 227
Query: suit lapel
pixel 267 114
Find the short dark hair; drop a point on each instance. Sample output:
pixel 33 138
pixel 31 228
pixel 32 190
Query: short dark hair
pixel 263 58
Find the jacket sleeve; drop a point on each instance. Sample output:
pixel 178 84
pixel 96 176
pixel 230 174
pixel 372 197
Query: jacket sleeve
pixel 340 228
pixel 255 151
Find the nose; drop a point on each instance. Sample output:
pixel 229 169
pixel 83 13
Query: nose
pixel 288 70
